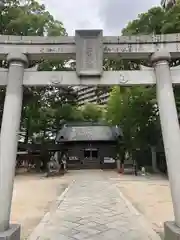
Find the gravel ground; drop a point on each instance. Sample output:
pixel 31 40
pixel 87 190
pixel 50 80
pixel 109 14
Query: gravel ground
pixel 150 195
pixel 33 195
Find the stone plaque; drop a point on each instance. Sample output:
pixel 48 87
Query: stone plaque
pixel 89 53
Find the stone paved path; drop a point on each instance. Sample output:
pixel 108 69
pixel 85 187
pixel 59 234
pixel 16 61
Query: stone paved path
pixel 93 209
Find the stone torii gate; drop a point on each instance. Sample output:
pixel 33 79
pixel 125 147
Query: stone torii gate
pixel 89 48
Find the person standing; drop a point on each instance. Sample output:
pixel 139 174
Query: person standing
pixel 64 162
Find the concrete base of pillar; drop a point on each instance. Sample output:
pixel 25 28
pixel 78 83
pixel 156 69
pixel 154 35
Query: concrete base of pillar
pixel 13 233
pixel 171 231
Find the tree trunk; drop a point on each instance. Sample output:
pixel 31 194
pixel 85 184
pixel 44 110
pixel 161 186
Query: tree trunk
pixel 44 133
pixel 26 138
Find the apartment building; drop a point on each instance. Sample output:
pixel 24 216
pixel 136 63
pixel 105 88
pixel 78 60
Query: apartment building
pixel 88 94
pixel 168 3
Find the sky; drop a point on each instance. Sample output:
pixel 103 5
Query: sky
pixel 109 15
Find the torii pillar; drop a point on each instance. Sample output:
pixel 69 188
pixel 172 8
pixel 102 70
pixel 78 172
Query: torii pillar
pixel 9 140
pixel 171 134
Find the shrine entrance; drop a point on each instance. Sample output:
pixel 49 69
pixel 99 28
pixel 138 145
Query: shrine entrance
pixel 91 153
pixel 91 158
pixel 89 48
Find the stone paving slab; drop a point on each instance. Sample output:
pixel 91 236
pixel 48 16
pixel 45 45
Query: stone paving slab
pixel 93 209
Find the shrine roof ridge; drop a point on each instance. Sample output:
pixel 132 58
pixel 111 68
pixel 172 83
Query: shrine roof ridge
pixel 70 40
pixel 89 132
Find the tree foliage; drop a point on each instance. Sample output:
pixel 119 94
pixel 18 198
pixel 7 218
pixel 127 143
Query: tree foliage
pixel 92 112
pixel 28 18
pixel 155 21
pixel 43 108
pixel 135 109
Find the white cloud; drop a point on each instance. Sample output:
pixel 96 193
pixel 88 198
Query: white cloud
pixel 109 15
pixel 115 14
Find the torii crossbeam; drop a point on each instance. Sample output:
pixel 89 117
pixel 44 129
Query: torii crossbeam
pixel 70 78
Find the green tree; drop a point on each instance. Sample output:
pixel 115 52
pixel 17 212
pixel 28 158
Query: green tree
pixel 28 18
pixel 42 107
pixel 92 112
pixel 157 21
pixel 43 115
pixel 150 22
pixel 134 111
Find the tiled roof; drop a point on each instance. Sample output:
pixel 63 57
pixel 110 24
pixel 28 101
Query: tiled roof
pixel 88 133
